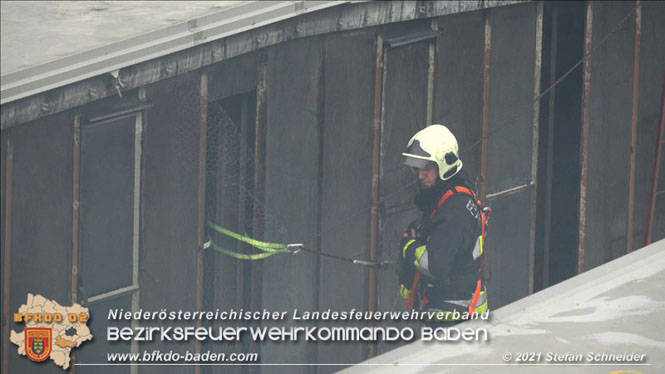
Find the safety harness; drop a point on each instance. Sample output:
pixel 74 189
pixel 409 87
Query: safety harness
pixel 484 217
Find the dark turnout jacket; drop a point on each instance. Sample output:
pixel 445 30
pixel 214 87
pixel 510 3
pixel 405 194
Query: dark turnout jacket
pixel 450 237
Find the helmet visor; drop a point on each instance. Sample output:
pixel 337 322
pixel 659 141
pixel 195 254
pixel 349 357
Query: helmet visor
pixel 417 163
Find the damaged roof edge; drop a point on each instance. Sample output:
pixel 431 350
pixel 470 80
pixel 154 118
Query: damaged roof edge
pixel 111 57
pixel 73 81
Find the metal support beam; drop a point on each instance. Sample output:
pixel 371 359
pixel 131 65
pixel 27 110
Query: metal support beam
pixel 656 166
pixel 509 191
pixel 486 105
pixel 76 183
pixel 9 180
pixel 111 294
pixel 550 151
pixel 241 265
pixel 585 136
pixel 431 75
pixel 259 177
pixel 633 141
pixel 136 232
pixel 534 143
pixel 376 155
pixel 203 135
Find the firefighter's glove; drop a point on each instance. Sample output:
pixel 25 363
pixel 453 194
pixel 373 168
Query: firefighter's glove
pixel 414 230
pixel 406 269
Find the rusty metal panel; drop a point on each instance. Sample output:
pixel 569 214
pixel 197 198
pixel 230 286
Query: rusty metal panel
pixel 169 203
pixel 652 68
pixel 609 139
pixel 510 149
pixel 41 220
pixel 349 76
pixel 292 187
pixel 459 95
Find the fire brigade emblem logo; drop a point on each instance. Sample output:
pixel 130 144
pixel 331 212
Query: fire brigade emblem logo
pixel 38 343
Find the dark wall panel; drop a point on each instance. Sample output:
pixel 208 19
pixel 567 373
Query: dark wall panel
pixel 107 205
pixel 347 155
pixel 233 76
pixel 3 194
pixel 41 220
pixel 226 81
pixel 459 84
pixel 170 203
pixel 405 106
pixel 509 150
pixel 652 67
pixel 292 189
pixel 506 248
pixel 566 135
pixel 96 350
pixel 511 96
pixel 608 168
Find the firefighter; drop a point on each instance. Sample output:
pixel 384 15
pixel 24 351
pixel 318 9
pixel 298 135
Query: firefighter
pixel 441 257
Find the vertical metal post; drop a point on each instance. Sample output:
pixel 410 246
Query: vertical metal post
pixel 76 183
pixel 656 165
pixel 242 211
pixel 534 144
pixel 376 149
pixel 8 256
pixel 486 104
pixel 136 295
pixel 585 136
pixel 259 141
pixel 550 150
pixel 431 75
pixel 633 142
pixel 203 134
pixel 320 119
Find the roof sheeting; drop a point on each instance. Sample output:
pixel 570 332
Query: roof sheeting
pixel 198 23
pixel 198 42
pixel 614 309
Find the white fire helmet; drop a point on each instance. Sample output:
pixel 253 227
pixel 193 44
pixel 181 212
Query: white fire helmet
pixel 437 144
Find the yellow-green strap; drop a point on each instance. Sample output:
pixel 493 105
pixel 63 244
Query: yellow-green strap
pixel 406 246
pixel 242 256
pixel 264 246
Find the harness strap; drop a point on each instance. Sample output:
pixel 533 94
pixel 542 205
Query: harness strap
pixel 483 215
pixel 414 290
pixel 476 295
pixel 484 218
pixel 451 192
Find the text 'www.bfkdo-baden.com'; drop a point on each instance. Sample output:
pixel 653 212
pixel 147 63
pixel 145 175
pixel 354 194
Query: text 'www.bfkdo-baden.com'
pixel 156 356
